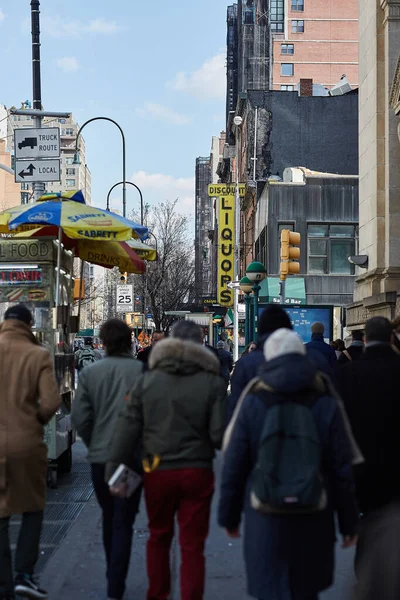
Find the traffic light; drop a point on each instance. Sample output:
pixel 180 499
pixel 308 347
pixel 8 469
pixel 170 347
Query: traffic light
pixel 124 278
pixel 290 253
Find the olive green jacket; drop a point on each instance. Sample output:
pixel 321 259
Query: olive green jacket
pixel 177 408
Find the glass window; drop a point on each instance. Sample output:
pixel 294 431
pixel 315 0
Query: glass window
pixel 298 5
pixel 317 265
pixel 287 88
pixel 69 131
pixel 62 121
pixel 340 252
pixel 70 171
pixel 287 48
pixel 317 231
pixel 277 27
pixel 287 69
pixel 329 247
pixel 297 26
pixel 70 182
pixel 69 161
pixel 341 231
pixel 317 247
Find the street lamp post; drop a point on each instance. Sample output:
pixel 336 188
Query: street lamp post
pixel 77 159
pixel 141 197
pixel 256 272
pixel 237 121
pixel 247 287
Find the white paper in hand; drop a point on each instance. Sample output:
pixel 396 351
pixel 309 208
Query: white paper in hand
pixel 124 476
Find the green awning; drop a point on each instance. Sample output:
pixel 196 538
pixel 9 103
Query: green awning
pixel 295 290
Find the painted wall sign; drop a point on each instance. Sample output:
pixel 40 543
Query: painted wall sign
pixel 226 248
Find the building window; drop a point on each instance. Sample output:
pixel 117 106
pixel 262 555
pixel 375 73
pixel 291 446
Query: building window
pixel 287 88
pixel 287 69
pixel 287 48
pixel 62 121
pixel 329 247
pixel 298 5
pixel 69 131
pixel 277 16
pixel 297 26
pixel 69 161
pixel 70 171
pixel 70 182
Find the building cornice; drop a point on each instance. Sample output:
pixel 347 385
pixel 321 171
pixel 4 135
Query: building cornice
pixel 392 10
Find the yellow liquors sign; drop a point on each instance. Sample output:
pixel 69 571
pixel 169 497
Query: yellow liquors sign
pixel 226 248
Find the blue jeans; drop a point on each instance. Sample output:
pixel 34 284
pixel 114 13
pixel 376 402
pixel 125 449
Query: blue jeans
pixel 118 520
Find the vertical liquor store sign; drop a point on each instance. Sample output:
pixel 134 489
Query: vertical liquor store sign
pixel 226 248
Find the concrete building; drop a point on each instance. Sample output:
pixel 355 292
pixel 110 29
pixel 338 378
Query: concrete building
pixel 10 192
pixel 378 283
pixel 73 177
pixel 314 39
pixel 323 208
pixel 203 224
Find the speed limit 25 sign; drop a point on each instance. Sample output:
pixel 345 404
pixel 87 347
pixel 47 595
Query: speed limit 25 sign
pixel 124 298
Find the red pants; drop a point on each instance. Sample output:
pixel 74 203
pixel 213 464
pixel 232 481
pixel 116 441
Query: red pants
pixel 187 492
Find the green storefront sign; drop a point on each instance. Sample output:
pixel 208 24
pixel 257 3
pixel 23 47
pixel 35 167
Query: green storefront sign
pixel 295 291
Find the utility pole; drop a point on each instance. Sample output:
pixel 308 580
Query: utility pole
pixel 38 187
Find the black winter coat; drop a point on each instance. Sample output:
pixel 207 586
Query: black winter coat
pixel 370 391
pixel 287 557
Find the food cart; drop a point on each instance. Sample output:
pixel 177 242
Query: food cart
pixel 28 275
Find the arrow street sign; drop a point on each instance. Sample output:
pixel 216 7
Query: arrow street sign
pixel 37 170
pixel 37 143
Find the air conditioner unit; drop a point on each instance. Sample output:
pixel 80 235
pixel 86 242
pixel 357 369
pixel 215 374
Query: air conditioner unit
pixel 343 87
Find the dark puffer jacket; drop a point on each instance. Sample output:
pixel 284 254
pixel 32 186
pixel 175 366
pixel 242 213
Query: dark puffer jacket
pixel 288 557
pixel 178 406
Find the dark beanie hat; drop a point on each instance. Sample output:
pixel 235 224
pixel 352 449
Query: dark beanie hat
pixel 272 318
pixel 19 312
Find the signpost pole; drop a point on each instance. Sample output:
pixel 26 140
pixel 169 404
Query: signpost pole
pixel 282 291
pixel 38 186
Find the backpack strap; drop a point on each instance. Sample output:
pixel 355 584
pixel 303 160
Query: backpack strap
pixel 347 354
pixel 252 387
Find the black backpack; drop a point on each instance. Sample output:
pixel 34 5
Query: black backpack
pixel 287 477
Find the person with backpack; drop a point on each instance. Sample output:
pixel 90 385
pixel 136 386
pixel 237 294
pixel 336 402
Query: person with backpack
pixel 288 467
pixel 85 356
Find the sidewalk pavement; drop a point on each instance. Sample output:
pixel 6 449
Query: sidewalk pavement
pixel 76 571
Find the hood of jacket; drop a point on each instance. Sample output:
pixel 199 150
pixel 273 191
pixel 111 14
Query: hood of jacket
pixel 17 329
pixel 289 374
pixel 181 357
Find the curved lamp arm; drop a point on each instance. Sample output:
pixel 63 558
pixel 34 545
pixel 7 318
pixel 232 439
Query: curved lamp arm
pixel 138 189
pixel 76 157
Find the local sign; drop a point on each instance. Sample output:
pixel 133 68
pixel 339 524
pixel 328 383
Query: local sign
pixel 125 298
pixel 220 189
pixel 37 143
pixel 226 248
pixel 37 170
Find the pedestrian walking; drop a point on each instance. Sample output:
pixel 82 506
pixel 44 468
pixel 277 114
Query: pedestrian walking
pixel 369 389
pixel 144 354
pixel 178 408
pixel 356 348
pixel 86 356
pixel 249 348
pixel 321 353
pixel 101 395
pixel 226 361
pixel 289 549
pixel 272 318
pixel 29 398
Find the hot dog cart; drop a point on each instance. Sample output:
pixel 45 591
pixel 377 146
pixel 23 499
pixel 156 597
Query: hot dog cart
pixel 28 275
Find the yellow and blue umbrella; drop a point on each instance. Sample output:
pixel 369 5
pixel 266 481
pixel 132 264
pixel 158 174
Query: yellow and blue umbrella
pixel 76 219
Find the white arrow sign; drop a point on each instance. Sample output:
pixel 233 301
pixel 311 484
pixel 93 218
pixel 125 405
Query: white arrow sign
pixel 37 170
pixel 37 143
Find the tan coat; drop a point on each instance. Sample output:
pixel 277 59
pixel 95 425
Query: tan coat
pixel 28 399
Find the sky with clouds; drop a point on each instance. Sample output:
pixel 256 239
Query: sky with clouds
pixel 156 67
